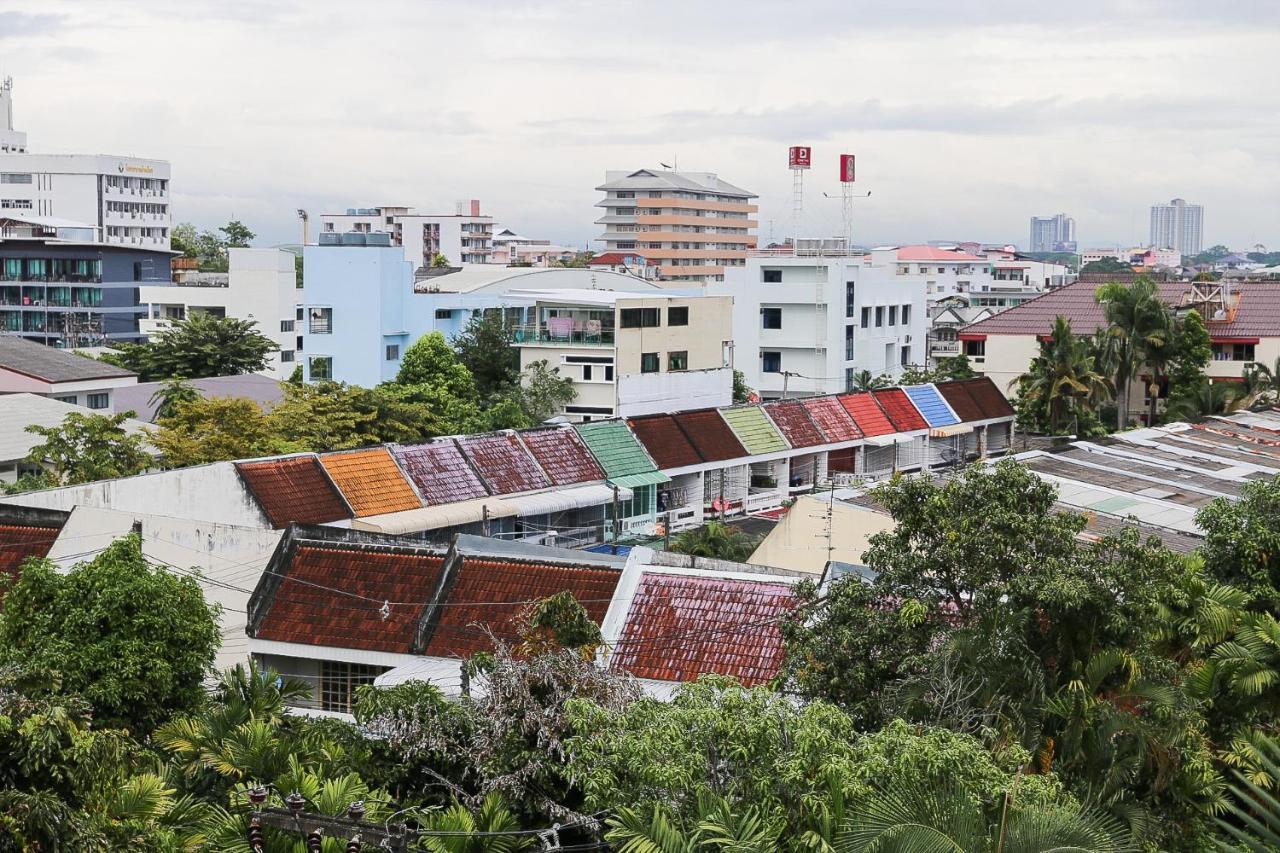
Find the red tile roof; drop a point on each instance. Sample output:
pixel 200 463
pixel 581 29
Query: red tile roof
pixel 680 627
pixel 869 417
pixel 832 419
pixel 562 455
pixel 665 441
pixel 370 481
pixel 440 472
pixel 961 401
pixel 613 259
pixel 293 490
pixel 18 542
pixel 306 609
pixel 933 253
pixel 493 594
pixel 898 406
pixel 504 465
pixel 794 423
pixel 1257 314
pixel 710 435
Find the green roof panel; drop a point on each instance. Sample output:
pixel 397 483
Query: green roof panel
pixel 754 430
pixel 616 449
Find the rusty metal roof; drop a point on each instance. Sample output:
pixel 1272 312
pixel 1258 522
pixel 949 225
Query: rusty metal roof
pixel 293 489
pixel 794 423
pixel 440 471
pixel 371 481
pixel 832 418
pixel 710 435
pixel 562 455
pixel 503 463
pixel 665 441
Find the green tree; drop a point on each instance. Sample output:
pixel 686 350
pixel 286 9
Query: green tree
pixel 492 828
pixel 439 261
pixel 136 641
pixel 199 347
pixel 30 482
pixel 484 348
pixel 544 392
pixel 955 368
pixel 84 448
pixel 1136 318
pixel 212 430
pixel 236 235
pixel 1203 398
pixel 716 540
pixel 1057 388
pixel 741 391
pixel 183 238
pixel 431 362
pixel 1242 541
pixel 1191 351
pixel 1105 265
pixel 170 395
pixel 864 381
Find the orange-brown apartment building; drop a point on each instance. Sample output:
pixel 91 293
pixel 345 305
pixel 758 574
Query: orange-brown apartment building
pixel 692 224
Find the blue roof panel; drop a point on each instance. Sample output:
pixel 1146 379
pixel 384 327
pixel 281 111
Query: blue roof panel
pixel 932 407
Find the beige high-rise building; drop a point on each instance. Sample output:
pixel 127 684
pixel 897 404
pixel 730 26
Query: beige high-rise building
pixel 692 224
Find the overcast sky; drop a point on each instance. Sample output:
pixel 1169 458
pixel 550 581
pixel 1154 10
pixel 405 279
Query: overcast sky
pixel 967 118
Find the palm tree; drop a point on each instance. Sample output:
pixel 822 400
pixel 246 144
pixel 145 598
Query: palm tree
pixel 1262 382
pixel 1156 352
pixel 916 818
pixel 1135 318
pixel 863 380
pixel 716 541
pixel 1061 376
pixel 1208 398
pixel 486 831
pixel 718 826
pixel 1255 815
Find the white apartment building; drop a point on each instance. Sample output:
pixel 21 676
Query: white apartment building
pixel 1177 225
pixel 943 270
pixel 512 248
pixel 124 199
pixel 807 325
pixel 1055 233
pixel 1142 256
pixel 466 237
pixel 632 353
pixel 694 224
pixel 260 286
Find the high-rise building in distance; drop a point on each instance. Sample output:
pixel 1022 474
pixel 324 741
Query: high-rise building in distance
pixel 1177 225
pixel 1053 233
pixel 693 224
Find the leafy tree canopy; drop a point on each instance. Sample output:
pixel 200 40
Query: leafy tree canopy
pixel 484 348
pixel 199 347
pixel 84 448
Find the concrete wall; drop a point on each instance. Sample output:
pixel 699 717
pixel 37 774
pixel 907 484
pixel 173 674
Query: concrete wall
pixel 799 542
pixel 651 393
pixel 213 493
pixel 229 558
pixel 710 326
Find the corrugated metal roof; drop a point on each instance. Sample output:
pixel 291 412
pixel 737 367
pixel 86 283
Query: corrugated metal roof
pixel 754 429
pixel 293 490
pixel 371 481
pixel 793 421
pixel 869 417
pixel 931 406
pixel 440 472
pixel 615 448
pixel 503 463
pixel 961 401
pixel 710 435
pixel 737 633
pixel 902 414
pixel 562 455
pixel 832 418
pixel 994 403
pixel 665 441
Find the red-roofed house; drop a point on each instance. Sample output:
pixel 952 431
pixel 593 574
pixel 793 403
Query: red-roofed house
pixel 1243 319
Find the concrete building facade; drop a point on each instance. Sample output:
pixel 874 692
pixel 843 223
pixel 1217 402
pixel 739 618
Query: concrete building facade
pixel 1055 233
pixel 694 224
pixel 465 237
pixel 1177 225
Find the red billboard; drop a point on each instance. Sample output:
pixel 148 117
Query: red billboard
pixel 800 157
pixel 846 168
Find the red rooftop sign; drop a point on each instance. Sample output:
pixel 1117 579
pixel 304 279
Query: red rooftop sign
pixel 800 157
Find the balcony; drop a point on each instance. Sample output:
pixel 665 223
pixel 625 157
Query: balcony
pixel 559 335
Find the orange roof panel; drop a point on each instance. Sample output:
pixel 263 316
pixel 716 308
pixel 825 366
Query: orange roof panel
pixel 371 481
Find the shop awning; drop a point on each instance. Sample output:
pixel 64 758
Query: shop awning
pixel 434 517
pixel 560 500
pixel 950 430
pixel 646 478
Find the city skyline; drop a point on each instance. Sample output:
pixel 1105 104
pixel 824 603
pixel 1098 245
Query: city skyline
pixel 514 111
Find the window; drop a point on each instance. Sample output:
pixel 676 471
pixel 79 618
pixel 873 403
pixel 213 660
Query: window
pixel 393 352
pixel 906 356
pixel 608 373
pixel 15 203
pixel 772 276
pixel 625 194
pixel 15 177
pixel 339 681
pixel 298 313
pixel 678 360
pixel 975 349
pixel 286 325
pixel 286 356
pixel 586 373
pixel 906 315
pixel 849 307
pixel 1233 352
pixel 444 314
pixel 893 315
pixel 866 318
pixel 678 316
pixel 648 362
pixel 771 318
pixel 321 321
pixel 97 401
pixel 321 367
pixel 637 318
pixel 69 398
pixel 879 316
pixel 770 361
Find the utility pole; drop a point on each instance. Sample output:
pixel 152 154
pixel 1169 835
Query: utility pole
pixel 615 521
pixel 484 519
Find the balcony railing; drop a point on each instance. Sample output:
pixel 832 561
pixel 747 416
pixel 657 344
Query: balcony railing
pixel 567 336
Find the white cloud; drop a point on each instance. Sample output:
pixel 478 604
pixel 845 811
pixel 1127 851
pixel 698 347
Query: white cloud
pixel 966 118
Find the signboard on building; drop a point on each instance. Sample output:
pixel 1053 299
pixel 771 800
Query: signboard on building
pixel 846 168
pixel 800 157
